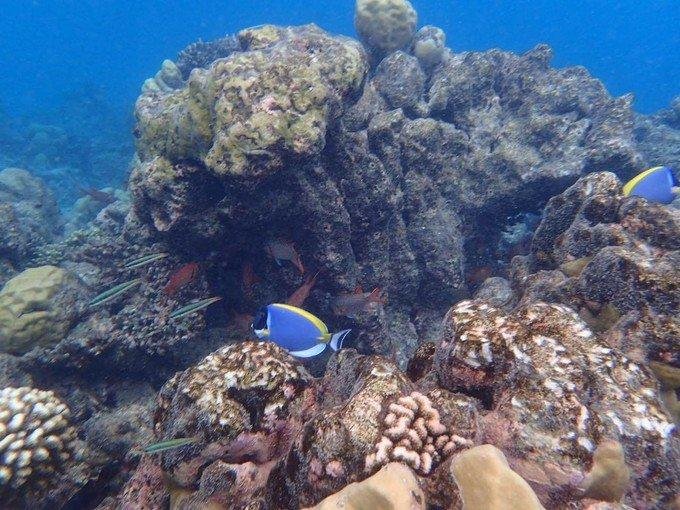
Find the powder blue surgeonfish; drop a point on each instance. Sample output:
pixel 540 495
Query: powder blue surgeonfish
pixel 655 184
pixel 296 330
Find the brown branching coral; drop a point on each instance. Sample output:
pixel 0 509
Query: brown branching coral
pixel 414 435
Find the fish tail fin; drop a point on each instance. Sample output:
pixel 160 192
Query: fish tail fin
pixel 338 338
pixel 376 296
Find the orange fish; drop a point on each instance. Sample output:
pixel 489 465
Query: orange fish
pixel 241 322
pixel 249 279
pixel 284 250
pixel 183 276
pixel 298 297
pixel 351 305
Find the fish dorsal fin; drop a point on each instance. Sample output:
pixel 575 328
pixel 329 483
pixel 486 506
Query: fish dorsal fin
pixel 358 289
pixel 630 185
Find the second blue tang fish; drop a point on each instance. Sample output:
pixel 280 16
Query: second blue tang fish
pixel 296 330
pixel 656 184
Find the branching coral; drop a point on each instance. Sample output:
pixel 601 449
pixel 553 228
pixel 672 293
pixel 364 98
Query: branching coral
pixel 36 439
pixel 414 435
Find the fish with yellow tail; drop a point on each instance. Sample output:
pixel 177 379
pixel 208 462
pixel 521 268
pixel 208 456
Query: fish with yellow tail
pixel 657 184
pixel 299 332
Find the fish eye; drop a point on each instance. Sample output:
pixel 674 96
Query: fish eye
pixel 260 319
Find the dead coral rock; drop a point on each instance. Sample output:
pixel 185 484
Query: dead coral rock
pixel 393 487
pixel 535 368
pixel 486 481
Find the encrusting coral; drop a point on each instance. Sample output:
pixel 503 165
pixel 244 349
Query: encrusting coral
pixel 385 25
pixel 414 435
pixel 37 440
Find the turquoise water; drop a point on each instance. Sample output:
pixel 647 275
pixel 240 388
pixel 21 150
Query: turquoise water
pixel 50 48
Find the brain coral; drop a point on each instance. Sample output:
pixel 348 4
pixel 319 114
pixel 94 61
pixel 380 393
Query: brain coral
pixel 36 439
pixel 36 308
pixel 385 25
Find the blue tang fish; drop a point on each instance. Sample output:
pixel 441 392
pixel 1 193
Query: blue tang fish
pixel 655 184
pixel 296 330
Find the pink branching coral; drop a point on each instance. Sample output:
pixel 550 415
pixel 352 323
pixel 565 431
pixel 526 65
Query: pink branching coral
pixel 414 435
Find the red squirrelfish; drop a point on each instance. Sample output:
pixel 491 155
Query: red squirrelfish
pixel 298 297
pixel 241 322
pixel 249 279
pixel 183 276
pixel 351 305
pixel 284 250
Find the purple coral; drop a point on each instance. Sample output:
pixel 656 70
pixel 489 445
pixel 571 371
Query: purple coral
pixel 414 435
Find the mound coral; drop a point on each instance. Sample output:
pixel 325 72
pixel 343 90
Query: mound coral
pixel 385 25
pixel 486 481
pixel 414 435
pixel 231 390
pixel 394 487
pixel 37 440
pixel 37 308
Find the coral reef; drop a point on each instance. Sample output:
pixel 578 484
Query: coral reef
pixel 414 436
pixel 201 54
pixel 658 136
pixel 37 308
pixel 29 215
pixel 401 166
pixel 536 367
pixel 37 442
pixel 394 486
pixel 385 25
pixel 486 481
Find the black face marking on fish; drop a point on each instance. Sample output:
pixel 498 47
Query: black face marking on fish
pixel 260 320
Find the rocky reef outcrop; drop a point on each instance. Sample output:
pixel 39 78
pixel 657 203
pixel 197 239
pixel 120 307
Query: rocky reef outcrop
pixel 30 218
pixel 382 176
pixel 658 136
pixel 401 166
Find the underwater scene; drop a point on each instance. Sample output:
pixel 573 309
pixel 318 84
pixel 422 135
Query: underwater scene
pixel 356 254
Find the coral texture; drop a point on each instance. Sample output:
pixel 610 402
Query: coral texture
pixel 542 367
pixel 385 25
pixel 394 486
pixel 487 482
pixel 29 215
pixel 37 308
pixel 37 441
pixel 414 435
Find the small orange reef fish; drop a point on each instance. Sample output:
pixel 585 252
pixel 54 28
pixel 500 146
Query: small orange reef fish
pixel 298 297
pixel 249 279
pixel 183 276
pixel 352 305
pixel 241 322
pixel 280 250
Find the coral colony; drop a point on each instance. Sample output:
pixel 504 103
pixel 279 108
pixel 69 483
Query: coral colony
pixel 517 345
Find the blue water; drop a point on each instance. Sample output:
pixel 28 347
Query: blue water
pixel 51 47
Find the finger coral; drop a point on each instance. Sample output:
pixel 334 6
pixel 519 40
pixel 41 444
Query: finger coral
pixel 36 440
pixel 414 435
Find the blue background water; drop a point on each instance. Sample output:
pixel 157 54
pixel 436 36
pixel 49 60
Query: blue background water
pixel 51 46
pixel 70 70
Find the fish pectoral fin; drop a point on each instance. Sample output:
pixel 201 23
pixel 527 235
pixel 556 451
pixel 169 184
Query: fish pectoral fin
pixel 311 352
